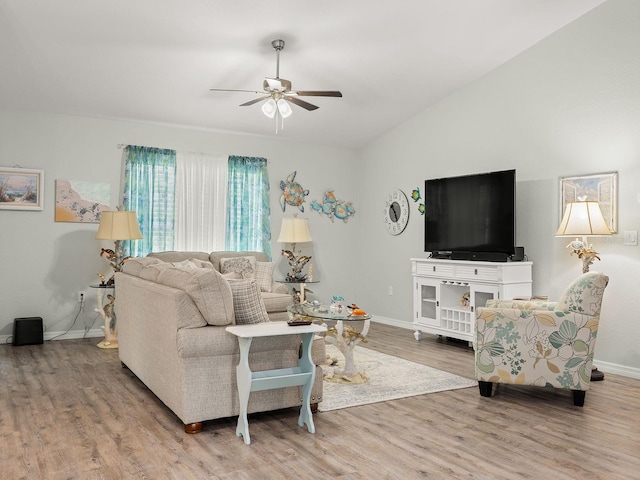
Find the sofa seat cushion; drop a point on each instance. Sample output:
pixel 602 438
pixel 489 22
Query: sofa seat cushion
pixel 276 302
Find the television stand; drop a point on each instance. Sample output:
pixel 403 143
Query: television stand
pixel 446 293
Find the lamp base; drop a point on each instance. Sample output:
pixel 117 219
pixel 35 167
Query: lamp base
pixel 105 344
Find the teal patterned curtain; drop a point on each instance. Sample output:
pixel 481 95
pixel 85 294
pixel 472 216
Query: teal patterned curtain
pixel 248 210
pixel 149 190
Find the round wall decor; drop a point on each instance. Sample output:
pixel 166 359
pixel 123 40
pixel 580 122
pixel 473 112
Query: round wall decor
pixel 396 212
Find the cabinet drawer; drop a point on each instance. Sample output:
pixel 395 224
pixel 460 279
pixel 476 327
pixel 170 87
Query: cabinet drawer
pixel 477 273
pixel 431 270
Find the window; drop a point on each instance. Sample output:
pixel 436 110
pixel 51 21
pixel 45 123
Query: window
pixel 197 202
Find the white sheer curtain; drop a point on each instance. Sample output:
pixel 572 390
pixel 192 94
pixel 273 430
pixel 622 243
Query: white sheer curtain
pixel 201 202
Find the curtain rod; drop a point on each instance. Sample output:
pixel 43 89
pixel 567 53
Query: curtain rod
pixel 120 146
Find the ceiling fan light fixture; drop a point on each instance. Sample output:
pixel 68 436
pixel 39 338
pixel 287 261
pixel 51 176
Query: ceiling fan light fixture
pixel 269 108
pixel 284 108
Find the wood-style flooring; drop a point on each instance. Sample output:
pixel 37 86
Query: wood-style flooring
pixel 69 411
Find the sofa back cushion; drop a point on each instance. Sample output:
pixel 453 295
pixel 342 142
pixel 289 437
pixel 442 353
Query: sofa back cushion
pixel 208 289
pixel 174 256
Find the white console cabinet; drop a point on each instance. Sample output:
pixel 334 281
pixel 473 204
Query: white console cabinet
pixel 446 293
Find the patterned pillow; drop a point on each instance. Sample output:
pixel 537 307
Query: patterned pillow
pixel 245 266
pixel 264 275
pixel 247 302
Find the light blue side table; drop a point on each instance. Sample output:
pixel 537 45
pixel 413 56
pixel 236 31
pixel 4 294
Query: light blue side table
pixel 248 381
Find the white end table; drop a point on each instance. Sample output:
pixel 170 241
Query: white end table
pixel 248 381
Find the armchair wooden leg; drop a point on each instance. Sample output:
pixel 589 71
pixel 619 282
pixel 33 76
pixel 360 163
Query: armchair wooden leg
pixel 485 388
pixel 578 397
pixel 314 407
pixel 193 427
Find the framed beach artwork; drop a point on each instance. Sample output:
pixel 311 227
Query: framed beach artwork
pixel 78 201
pixel 21 189
pixel 599 187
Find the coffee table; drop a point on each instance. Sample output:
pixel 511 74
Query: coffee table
pixel 343 335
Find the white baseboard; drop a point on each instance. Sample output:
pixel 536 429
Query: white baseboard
pixel 616 369
pixel 94 333
pixel 391 321
pixel 606 367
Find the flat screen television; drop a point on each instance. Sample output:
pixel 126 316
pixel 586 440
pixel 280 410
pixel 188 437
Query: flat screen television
pixel 471 217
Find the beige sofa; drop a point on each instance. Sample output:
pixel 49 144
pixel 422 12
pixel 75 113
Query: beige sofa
pixel 171 331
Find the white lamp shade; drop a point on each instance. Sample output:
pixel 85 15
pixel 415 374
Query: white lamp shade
pixel 269 108
pixel 284 108
pixel 294 230
pixel 118 225
pixel 582 218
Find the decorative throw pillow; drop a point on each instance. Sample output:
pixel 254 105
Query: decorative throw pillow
pixel 247 302
pixel 245 266
pixel 264 275
pixel 208 289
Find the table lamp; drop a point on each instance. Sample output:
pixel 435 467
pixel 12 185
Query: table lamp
pixel 581 219
pixel 117 226
pixel 295 230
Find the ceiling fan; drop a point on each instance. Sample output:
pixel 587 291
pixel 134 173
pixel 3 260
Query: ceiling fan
pixel 278 94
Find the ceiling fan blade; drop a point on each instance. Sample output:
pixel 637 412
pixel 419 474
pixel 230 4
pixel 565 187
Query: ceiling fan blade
pixel 301 103
pixel 255 100
pixel 234 90
pixel 318 93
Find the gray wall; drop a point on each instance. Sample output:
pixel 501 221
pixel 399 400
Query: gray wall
pixel 568 106
pixel 44 263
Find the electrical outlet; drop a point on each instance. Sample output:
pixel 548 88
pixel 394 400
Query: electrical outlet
pixel 631 237
pixel 81 296
pixel 390 290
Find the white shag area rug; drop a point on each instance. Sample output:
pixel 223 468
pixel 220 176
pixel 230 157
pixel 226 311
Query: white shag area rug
pixel 390 378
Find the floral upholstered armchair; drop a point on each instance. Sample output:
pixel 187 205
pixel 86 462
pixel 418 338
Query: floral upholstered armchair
pixel 547 344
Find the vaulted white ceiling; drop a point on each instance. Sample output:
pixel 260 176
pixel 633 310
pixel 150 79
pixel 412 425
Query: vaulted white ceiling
pixel 155 60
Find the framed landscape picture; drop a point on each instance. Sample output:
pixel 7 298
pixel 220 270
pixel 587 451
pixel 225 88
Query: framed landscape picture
pixel 21 189
pixel 599 187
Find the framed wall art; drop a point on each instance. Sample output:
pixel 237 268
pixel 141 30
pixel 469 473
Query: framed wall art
pixel 21 189
pixel 79 201
pixel 599 187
